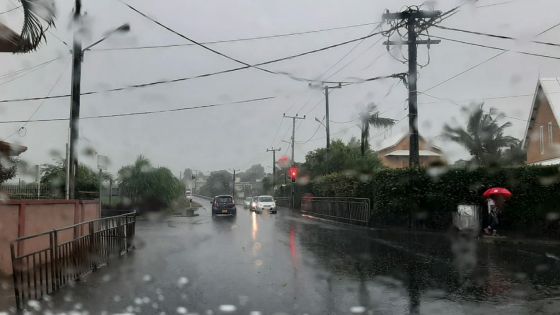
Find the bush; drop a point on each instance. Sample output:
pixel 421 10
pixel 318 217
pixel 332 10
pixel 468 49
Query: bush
pixel 427 197
pixel 149 188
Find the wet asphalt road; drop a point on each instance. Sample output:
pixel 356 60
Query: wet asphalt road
pixel 289 264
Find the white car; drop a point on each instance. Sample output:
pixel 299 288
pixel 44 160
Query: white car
pixel 188 195
pixel 265 203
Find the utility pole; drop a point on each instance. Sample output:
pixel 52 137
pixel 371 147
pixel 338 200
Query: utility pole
pixel 77 56
pixel 413 17
pixel 273 150
pixel 293 142
pixel 293 131
pixel 327 126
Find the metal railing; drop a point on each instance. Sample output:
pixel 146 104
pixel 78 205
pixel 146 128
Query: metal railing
pixel 345 209
pixel 45 262
pixel 27 191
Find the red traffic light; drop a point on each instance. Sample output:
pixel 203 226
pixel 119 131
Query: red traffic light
pixel 293 173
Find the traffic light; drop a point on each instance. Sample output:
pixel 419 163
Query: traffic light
pixel 293 173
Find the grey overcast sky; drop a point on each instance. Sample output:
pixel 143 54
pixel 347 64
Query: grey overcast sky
pixel 236 136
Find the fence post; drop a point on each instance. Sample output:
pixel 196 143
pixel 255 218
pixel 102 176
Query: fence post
pixel 54 259
pixel 14 269
pixel 92 246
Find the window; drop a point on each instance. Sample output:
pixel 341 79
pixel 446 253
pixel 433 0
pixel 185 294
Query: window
pixel 550 133
pixel 541 139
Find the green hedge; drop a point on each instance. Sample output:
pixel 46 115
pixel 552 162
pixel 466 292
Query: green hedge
pixel 427 197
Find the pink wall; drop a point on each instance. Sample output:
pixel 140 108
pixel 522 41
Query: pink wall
pixel 27 217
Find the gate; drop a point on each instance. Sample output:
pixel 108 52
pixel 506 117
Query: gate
pixel 345 209
pixel 45 262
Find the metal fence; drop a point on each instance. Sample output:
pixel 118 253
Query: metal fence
pixel 345 209
pixel 26 191
pixel 44 263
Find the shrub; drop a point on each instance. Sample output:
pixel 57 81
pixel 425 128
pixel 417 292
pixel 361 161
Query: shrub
pixel 429 196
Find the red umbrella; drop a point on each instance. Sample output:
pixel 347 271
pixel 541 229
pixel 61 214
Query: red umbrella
pixel 497 191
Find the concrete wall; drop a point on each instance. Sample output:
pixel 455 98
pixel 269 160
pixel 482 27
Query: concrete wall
pixel 20 218
pixel 543 117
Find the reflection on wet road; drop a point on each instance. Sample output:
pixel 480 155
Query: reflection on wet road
pixel 284 263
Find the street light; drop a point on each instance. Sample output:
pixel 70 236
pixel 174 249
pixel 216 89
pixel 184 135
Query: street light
pixel 121 29
pixel 77 59
pixel 320 122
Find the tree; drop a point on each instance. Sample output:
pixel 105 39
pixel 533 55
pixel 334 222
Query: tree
pixel 341 157
pixel 252 174
pixel 54 177
pixel 371 117
pixel 35 13
pixel 218 183
pixel 148 187
pixel 515 154
pixel 484 136
pixel 7 168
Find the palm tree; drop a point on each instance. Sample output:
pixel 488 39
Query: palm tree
pixel 38 16
pixel 371 117
pixel 484 137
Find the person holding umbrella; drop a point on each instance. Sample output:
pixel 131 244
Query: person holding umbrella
pixel 495 199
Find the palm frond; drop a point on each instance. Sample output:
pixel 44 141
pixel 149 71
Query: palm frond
pixel 35 13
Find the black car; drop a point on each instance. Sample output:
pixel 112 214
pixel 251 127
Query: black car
pixel 223 205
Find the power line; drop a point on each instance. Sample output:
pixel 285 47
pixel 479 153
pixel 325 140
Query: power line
pixel 219 53
pixel 347 54
pixel 549 29
pixel 10 10
pixel 466 70
pixel 154 83
pixel 497 48
pixel 38 107
pixel 457 104
pixel 483 62
pixel 256 66
pixel 493 35
pixel 145 112
pixel 237 39
pixel 19 71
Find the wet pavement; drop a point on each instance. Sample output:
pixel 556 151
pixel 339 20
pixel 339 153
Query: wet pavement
pixel 288 264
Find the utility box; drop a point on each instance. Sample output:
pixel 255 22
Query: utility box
pixel 467 218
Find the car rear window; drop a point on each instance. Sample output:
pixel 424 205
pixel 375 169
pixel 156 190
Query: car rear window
pixel 225 199
pixel 265 199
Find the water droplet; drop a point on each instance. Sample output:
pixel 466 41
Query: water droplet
pixel 552 216
pixel 228 308
pixel 147 278
pixel 34 304
pixel 181 310
pixel 182 282
pixel 258 262
pixel 117 298
pixel 357 309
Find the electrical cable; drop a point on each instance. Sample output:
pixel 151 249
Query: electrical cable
pixel 10 10
pixel 493 35
pixel 39 106
pixel 497 48
pixel 255 66
pixel 145 112
pixel 237 39
pixel 465 71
